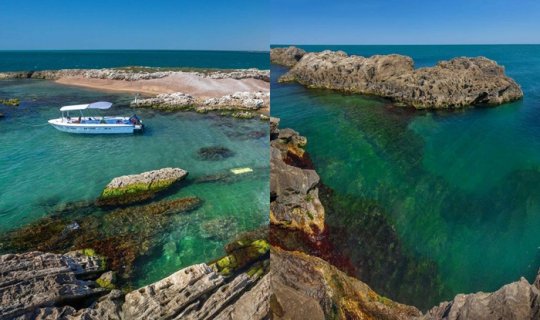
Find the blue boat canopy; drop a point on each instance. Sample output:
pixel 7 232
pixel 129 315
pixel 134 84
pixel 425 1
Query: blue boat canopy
pixel 95 105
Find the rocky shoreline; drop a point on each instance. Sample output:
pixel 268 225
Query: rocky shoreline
pixel 457 83
pixel 304 284
pixel 134 74
pixel 240 93
pixel 77 285
pixel 238 104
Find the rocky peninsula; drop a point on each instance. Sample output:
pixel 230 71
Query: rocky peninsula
pixel 305 284
pixel 243 91
pixel 456 83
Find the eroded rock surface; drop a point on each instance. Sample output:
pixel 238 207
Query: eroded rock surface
pixel 455 83
pixel 294 194
pixel 248 101
pixel 287 57
pixel 517 300
pixel 34 280
pixel 38 285
pixel 139 187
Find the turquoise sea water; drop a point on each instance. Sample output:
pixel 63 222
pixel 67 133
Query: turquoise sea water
pixel 42 169
pixel 86 59
pixel 462 189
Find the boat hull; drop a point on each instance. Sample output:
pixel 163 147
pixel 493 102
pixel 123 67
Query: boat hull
pixel 95 128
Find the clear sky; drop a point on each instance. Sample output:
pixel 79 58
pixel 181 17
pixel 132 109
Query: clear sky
pixel 404 22
pixel 134 24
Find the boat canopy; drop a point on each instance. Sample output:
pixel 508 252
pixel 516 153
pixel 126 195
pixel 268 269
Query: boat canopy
pixel 95 105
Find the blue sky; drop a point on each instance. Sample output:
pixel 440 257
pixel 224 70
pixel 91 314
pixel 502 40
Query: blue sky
pixel 404 22
pixel 134 24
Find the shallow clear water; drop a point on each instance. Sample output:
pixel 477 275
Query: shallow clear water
pixel 42 168
pixel 18 60
pixel 461 188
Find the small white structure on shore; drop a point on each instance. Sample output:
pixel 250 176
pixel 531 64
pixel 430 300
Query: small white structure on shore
pixel 95 125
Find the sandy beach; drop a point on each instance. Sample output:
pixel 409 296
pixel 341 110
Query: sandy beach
pixel 185 82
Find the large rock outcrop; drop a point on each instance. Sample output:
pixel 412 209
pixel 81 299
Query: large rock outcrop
pixel 287 57
pixel 517 300
pixel 294 190
pixel 139 187
pixel 307 283
pixel 456 83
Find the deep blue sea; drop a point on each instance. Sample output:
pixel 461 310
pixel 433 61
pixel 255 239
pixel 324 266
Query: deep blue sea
pixel 461 189
pixel 87 59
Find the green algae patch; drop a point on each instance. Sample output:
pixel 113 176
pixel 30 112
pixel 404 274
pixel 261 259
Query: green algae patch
pixel 10 102
pixel 107 280
pixel 244 255
pixel 89 252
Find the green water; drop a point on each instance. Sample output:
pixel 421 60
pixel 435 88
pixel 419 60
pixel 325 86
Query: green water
pixel 42 169
pixel 461 189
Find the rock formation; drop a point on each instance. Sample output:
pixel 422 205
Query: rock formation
pixel 517 300
pixel 456 83
pixel 249 101
pixel 139 187
pixel 294 194
pixel 301 279
pixel 35 280
pixel 287 57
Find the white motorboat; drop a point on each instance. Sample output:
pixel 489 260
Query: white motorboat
pixel 95 125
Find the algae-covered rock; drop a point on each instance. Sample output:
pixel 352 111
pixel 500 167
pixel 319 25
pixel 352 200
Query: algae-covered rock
pixel 107 280
pixel 139 187
pixel 121 235
pixel 241 255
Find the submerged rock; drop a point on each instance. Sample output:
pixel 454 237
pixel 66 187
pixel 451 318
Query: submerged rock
pixel 456 83
pixel 287 57
pixel 10 102
pixel 121 235
pixel 222 228
pixel 214 153
pixel 139 187
pixel 309 284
